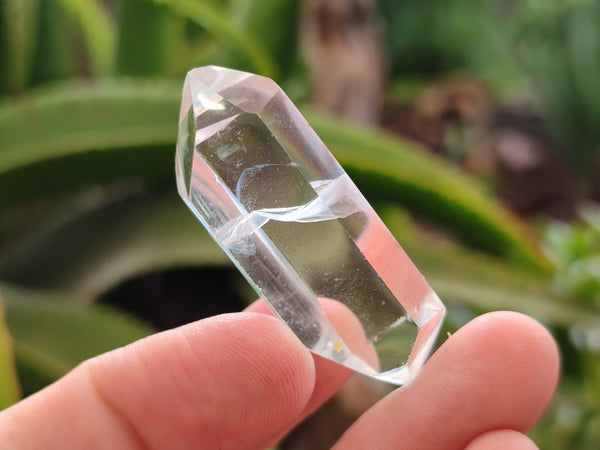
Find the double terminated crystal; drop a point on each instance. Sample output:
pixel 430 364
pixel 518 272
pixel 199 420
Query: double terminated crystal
pixel 270 193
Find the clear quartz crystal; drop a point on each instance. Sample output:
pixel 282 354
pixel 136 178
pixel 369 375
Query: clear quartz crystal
pixel 270 193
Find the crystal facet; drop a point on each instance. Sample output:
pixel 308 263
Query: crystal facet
pixel 273 197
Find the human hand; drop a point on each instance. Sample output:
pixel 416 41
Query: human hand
pixel 243 380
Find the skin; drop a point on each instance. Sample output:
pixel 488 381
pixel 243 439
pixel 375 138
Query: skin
pixel 243 380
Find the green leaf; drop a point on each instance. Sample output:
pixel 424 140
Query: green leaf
pixel 10 391
pixel 481 282
pixel 117 241
pixel 387 168
pixel 273 23
pixel 54 333
pixel 18 38
pixel 545 307
pixel 97 251
pixel 147 37
pixel 55 57
pixel 223 29
pixel 75 119
pixel 98 31
pixel 36 369
pixel 140 235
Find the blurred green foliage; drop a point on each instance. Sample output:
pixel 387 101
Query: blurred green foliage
pixel 88 119
pixel 575 250
pixel 546 51
pixel 557 43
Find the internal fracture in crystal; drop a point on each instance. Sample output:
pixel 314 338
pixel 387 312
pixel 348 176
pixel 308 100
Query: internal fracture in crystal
pixel 270 193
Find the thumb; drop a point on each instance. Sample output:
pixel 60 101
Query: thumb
pixel 230 381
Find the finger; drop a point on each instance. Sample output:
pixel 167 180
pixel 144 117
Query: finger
pixel 330 376
pixel 230 381
pixel 502 440
pixel 499 371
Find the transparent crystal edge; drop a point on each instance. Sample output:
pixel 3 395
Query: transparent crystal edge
pixel 429 308
pixel 315 210
pixel 220 82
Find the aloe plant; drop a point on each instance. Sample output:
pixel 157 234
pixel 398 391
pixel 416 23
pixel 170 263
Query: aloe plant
pixel 110 118
pixel 87 195
pixel 18 36
pixel 52 333
pixel 10 389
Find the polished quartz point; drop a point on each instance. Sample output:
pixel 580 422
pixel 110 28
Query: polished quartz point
pixel 270 193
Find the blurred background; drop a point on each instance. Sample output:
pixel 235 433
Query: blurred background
pixel 473 127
